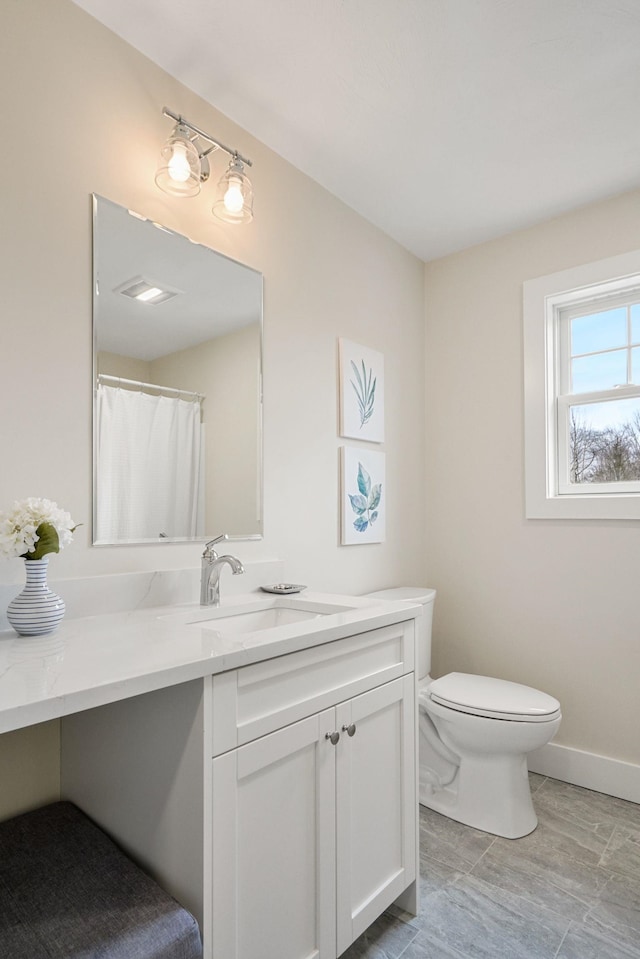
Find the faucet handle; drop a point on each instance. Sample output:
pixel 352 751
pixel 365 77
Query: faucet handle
pixel 209 551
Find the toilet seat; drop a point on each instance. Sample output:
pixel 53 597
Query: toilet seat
pixel 492 698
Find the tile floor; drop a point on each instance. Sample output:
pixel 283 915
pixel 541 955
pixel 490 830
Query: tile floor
pixel 570 890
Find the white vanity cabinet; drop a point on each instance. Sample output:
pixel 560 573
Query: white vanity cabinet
pixel 284 843
pixel 314 829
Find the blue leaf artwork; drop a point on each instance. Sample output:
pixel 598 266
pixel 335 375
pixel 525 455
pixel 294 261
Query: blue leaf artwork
pixel 365 503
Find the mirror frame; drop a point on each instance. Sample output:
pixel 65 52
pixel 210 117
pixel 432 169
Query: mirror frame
pixel 232 537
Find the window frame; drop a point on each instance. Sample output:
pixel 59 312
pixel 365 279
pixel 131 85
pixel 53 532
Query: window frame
pixel 545 300
pixel 579 305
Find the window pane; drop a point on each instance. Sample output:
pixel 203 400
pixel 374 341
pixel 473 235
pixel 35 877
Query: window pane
pixel 599 331
pixel 604 441
pixel 602 371
pixel 635 323
pixel 635 365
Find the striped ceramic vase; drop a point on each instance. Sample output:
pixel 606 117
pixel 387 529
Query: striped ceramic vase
pixel 37 609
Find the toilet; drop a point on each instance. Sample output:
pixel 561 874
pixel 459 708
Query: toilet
pixel 474 736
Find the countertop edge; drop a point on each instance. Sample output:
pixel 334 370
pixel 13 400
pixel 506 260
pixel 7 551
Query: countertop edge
pixel 361 618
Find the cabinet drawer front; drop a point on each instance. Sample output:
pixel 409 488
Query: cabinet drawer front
pixel 258 699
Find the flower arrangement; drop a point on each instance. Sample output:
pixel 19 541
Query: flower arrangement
pixel 35 527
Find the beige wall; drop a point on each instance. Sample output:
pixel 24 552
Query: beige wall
pixel 29 768
pixel 226 370
pixel 549 603
pixel 86 117
pixel 127 367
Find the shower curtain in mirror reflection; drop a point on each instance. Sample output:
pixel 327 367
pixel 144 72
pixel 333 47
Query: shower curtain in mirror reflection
pixel 149 456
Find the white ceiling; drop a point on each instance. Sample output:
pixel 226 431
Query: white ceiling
pixel 215 295
pixel 443 122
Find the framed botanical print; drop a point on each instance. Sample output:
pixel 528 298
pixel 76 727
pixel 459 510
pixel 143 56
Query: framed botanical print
pixel 361 392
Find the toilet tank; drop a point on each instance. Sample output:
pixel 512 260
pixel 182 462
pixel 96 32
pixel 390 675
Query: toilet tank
pixel 426 597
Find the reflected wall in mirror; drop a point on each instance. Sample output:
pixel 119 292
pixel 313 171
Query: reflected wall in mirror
pixel 177 397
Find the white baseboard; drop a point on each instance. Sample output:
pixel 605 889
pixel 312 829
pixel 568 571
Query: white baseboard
pixel 604 775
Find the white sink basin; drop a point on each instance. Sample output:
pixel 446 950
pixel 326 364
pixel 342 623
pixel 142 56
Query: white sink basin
pixel 254 616
pixel 248 621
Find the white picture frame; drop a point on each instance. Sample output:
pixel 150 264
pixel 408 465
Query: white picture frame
pixel 361 387
pixel 363 496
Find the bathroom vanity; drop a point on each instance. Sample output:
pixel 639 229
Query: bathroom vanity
pixel 259 760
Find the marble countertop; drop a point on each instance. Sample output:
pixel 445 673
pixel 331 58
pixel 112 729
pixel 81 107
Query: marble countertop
pixel 93 660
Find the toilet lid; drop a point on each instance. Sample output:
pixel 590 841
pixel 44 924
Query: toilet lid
pixel 496 698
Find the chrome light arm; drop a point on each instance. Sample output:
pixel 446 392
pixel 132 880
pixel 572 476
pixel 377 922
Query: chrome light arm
pixel 205 136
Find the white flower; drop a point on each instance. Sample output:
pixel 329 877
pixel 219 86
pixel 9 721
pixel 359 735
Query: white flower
pixel 19 527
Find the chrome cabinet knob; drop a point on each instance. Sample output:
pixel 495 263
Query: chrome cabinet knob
pixel 333 737
pixel 350 730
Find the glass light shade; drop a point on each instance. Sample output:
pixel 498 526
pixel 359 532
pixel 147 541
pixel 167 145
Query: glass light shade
pixel 234 203
pixel 179 170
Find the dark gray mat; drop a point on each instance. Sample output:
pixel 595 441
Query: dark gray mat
pixel 68 892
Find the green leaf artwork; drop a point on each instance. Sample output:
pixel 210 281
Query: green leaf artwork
pixel 365 503
pixel 364 387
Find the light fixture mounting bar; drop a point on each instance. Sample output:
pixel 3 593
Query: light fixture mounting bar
pixel 205 136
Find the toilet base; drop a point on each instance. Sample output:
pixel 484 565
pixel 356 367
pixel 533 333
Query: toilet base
pixel 490 793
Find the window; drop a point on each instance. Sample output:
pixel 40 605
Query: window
pixel 598 395
pixel 582 391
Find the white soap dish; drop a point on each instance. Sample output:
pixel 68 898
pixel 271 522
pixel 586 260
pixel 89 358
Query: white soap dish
pixel 283 588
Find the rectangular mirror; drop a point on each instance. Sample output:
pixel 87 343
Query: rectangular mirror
pixel 177 334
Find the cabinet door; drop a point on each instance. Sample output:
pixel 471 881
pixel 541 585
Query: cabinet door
pixel 376 804
pixel 274 845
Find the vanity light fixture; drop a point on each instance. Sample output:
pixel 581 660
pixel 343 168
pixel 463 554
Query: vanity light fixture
pixel 184 166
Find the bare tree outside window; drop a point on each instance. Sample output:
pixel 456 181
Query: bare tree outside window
pixel 607 455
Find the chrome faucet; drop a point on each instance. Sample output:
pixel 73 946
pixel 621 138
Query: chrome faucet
pixel 211 568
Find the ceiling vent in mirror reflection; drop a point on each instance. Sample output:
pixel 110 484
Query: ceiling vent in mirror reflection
pixel 178 397
pixel 146 291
